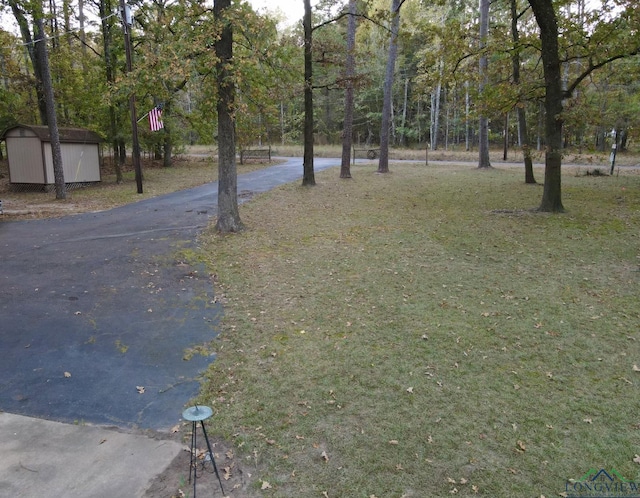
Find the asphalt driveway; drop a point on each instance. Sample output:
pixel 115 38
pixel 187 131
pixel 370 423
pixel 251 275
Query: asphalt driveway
pixel 96 311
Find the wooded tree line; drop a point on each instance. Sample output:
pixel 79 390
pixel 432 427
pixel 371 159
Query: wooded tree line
pixel 451 73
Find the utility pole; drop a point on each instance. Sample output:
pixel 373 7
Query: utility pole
pixel 127 22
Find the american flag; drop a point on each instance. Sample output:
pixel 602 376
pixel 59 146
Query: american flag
pixel 155 118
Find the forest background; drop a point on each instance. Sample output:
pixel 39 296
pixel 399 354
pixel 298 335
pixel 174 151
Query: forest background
pixel 437 96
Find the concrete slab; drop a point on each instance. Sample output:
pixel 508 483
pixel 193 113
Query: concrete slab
pixel 40 458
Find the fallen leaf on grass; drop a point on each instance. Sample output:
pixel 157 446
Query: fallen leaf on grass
pixel 393 441
pixel 324 493
pixel 636 368
pixel 410 390
pixel 636 459
pixel 227 473
pixel 475 488
pixel 521 446
pixel 265 485
pixel 175 428
pixel 451 481
pixel 324 456
pixel 587 420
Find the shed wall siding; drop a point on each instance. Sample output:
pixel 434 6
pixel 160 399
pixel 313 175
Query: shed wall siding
pixel 80 163
pixel 25 159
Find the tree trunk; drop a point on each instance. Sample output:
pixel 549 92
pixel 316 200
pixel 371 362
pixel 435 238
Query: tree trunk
pixel 505 137
pixel 405 104
pixel 467 128
pixel 58 172
pixel 167 148
pixel 446 119
pixel 282 123
pixel 135 144
pixel 82 34
pixel 546 19
pixel 523 135
pixel 526 148
pixel 122 151
pixel 104 7
pixel 483 162
pixel 436 116
pixel 350 72
pixel 383 163
pixel 33 50
pixel 228 213
pixel 167 142
pixel 308 176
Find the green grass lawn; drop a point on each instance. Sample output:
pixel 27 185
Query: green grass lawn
pixel 425 333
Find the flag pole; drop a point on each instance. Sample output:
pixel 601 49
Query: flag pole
pixel 126 25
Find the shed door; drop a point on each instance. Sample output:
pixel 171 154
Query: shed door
pixel 25 160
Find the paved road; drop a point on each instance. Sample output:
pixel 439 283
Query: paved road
pixel 94 305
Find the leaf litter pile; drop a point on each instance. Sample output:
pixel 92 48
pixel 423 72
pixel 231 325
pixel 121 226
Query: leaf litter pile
pixel 426 333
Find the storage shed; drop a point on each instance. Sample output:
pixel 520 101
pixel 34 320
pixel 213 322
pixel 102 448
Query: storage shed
pixel 31 159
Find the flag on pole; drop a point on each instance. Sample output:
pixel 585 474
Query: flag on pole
pixel 155 118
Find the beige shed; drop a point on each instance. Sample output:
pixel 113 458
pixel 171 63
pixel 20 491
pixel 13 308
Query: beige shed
pixel 31 160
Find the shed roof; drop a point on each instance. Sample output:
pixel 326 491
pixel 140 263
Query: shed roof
pixel 67 135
